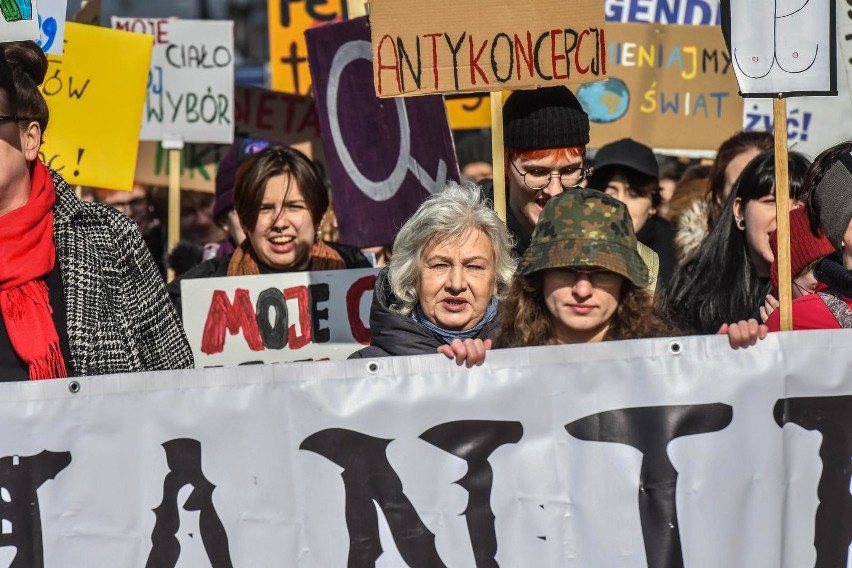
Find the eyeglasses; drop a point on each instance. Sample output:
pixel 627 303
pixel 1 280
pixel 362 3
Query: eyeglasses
pixel 13 118
pixel 538 179
pixel 598 277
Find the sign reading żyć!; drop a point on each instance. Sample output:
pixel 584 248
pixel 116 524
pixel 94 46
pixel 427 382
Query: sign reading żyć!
pixel 440 47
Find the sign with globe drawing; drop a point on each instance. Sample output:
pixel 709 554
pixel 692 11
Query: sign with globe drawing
pixel 669 86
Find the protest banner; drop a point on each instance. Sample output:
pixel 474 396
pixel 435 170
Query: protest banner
pixel 258 113
pixel 436 47
pixel 635 453
pixel 698 12
pixel 191 80
pixel 290 316
pixel 51 23
pixel 670 87
pixel 782 48
pixel 20 20
pixel 96 106
pixel 288 51
pixel 384 157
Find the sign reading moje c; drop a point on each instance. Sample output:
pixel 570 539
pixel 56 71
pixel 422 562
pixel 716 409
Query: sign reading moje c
pixel 641 453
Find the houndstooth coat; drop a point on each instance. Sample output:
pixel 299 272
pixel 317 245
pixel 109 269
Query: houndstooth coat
pixel 120 318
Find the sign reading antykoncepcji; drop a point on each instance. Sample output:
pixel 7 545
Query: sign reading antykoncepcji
pixel 191 81
pixel 777 47
pixel 295 316
pixel 447 46
pixel 384 156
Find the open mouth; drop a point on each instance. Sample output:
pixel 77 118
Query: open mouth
pixel 282 244
pixel 454 304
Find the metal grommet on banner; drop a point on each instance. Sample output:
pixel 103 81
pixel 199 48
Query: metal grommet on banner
pixel 675 348
pixel 74 387
pixel 373 367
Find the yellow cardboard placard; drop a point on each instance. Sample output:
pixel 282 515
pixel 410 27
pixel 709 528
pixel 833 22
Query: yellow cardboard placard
pixel 95 101
pixel 288 52
pixel 671 87
pixel 447 46
pixel 469 113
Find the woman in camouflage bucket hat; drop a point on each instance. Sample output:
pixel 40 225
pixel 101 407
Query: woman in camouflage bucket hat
pixel 582 281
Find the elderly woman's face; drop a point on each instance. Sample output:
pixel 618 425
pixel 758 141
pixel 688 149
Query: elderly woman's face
pixel 284 233
pixel 457 280
pixel 581 302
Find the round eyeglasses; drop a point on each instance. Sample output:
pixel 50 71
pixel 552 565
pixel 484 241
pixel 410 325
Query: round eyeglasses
pixel 538 179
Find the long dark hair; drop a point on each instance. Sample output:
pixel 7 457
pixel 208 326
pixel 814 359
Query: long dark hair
pixel 718 283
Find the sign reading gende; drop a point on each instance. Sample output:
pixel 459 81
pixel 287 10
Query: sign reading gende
pixel 272 318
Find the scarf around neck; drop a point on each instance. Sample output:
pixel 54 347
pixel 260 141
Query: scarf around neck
pixel 27 255
pixel 244 261
pixel 449 335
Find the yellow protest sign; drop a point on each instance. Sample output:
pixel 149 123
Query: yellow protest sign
pixel 469 112
pixel 288 52
pixel 95 104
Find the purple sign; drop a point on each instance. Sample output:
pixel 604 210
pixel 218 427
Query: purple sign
pixel 385 156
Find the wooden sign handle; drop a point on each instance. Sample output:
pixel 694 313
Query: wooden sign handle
pixel 782 207
pixel 497 152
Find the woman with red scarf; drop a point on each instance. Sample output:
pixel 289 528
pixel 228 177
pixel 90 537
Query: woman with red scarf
pixel 79 292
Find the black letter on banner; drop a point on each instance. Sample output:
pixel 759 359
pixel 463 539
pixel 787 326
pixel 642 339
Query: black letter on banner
pixel 831 416
pixel 21 477
pixel 474 441
pixel 274 334
pixel 367 477
pixel 319 293
pixel 184 458
pixel 649 430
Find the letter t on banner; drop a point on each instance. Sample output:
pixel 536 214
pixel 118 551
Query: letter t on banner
pixel 782 50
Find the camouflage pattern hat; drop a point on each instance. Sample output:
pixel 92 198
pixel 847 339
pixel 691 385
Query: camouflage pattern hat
pixel 585 227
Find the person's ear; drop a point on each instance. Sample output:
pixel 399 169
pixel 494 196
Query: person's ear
pixel 31 140
pixel 739 213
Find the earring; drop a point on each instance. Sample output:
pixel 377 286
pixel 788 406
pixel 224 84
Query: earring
pixel 741 223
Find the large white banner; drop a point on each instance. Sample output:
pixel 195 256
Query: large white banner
pixel 277 318
pixel 191 81
pixel 652 453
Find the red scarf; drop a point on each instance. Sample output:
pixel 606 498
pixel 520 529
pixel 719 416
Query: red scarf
pixel 27 255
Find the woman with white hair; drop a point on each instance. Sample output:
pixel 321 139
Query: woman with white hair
pixel 439 292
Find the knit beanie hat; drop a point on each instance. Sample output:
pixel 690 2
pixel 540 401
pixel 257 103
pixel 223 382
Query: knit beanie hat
pixel 474 148
pixel 832 200
pixel 804 246
pixel 544 118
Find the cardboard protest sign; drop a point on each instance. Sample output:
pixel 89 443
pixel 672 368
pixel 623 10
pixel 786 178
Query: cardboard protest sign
pixel 191 81
pixel 288 51
pixel 437 47
pixel 384 157
pixel 198 166
pixel 96 105
pixel 292 316
pixel 20 20
pixel 701 12
pixel 671 87
pixel 51 23
pixel 659 453
pixel 782 47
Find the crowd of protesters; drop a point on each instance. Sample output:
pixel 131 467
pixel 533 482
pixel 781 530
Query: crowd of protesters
pixel 596 246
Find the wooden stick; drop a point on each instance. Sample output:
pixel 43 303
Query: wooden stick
pixel 782 207
pixel 356 8
pixel 497 153
pixel 174 203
